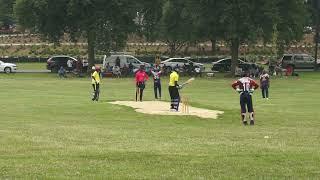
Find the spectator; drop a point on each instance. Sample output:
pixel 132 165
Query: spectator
pixel 125 70
pixel 107 67
pixel 198 72
pixel 238 71
pixel 116 71
pixel 130 68
pixel 69 65
pixel 79 66
pixel 62 72
pixel 118 62
pixel 85 65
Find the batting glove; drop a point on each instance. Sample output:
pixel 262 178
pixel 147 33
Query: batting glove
pixel 239 90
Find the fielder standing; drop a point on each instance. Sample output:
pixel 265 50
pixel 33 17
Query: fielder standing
pixel 156 72
pixel 95 79
pixel 246 86
pixel 174 90
pixel 265 84
pixel 141 78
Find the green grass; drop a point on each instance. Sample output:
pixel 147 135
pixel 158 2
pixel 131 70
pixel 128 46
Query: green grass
pixel 31 66
pixel 49 129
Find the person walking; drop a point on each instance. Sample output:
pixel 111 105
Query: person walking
pixel 95 79
pixel 265 84
pixel 141 78
pixel 245 86
pixel 174 90
pixel 156 72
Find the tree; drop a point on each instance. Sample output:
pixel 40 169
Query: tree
pixel 6 13
pixel 246 21
pixel 149 16
pixel 175 27
pixel 292 18
pixel 206 17
pixel 105 24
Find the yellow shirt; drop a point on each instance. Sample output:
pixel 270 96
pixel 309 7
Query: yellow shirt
pixel 96 77
pixel 174 76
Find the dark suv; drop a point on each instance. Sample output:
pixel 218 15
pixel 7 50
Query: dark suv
pixel 224 65
pixel 54 63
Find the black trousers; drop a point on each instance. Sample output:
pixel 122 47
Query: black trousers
pixel 157 87
pixel 175 97
pixel 265 92
pixel 246 102
pixel 139 90
pixel 96 89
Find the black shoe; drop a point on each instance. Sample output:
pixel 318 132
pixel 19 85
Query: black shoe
pixel 93 99
pixel 252 122
pixel 245 123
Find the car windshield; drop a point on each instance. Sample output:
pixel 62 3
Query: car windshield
pixel 286 58
pixel 133 60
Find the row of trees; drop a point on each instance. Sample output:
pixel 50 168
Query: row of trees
pixel 179 23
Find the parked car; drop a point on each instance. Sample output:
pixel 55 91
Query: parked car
pixel 181 62
pixel 7 67
pixel 124 60
pixel 224 65
pixel 55 62
pixel 298 61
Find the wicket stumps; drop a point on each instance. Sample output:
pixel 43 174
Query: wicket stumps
pixel 185 104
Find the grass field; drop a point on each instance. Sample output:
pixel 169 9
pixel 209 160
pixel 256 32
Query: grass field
pixel 50 129
pixel 31 66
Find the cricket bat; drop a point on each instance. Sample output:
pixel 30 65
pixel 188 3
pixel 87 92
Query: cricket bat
pixel 188 82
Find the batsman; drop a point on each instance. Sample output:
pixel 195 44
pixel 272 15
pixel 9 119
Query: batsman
pixel 95 79
pixel 245 86
pixel 174 90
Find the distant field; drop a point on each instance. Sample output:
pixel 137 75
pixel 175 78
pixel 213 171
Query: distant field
pixel 50 129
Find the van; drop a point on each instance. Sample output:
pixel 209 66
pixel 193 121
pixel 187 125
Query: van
pixel 124 60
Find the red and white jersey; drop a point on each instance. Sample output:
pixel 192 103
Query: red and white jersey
pixel 245 84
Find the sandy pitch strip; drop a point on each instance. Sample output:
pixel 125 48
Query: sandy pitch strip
pixel 162 108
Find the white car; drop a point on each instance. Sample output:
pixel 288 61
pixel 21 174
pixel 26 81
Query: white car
pixel 7 67
pixel 124 60
pixel 172 62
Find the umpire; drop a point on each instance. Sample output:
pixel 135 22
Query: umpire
pixel 174 89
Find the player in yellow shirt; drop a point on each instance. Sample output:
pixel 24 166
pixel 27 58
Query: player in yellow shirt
pixel 174 89
pixel 95 79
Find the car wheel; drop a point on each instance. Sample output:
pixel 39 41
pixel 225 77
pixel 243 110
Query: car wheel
pixel 7 70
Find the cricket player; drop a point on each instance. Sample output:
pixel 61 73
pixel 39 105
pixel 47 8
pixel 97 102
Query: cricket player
pixel 95 79
pixel 141 78
pixel 174 89
pixel 156 72
pixel 265 84
pixel 246 86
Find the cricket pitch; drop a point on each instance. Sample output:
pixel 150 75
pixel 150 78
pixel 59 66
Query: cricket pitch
pixel 162 108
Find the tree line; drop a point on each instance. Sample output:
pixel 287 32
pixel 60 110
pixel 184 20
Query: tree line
pixel 106 24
